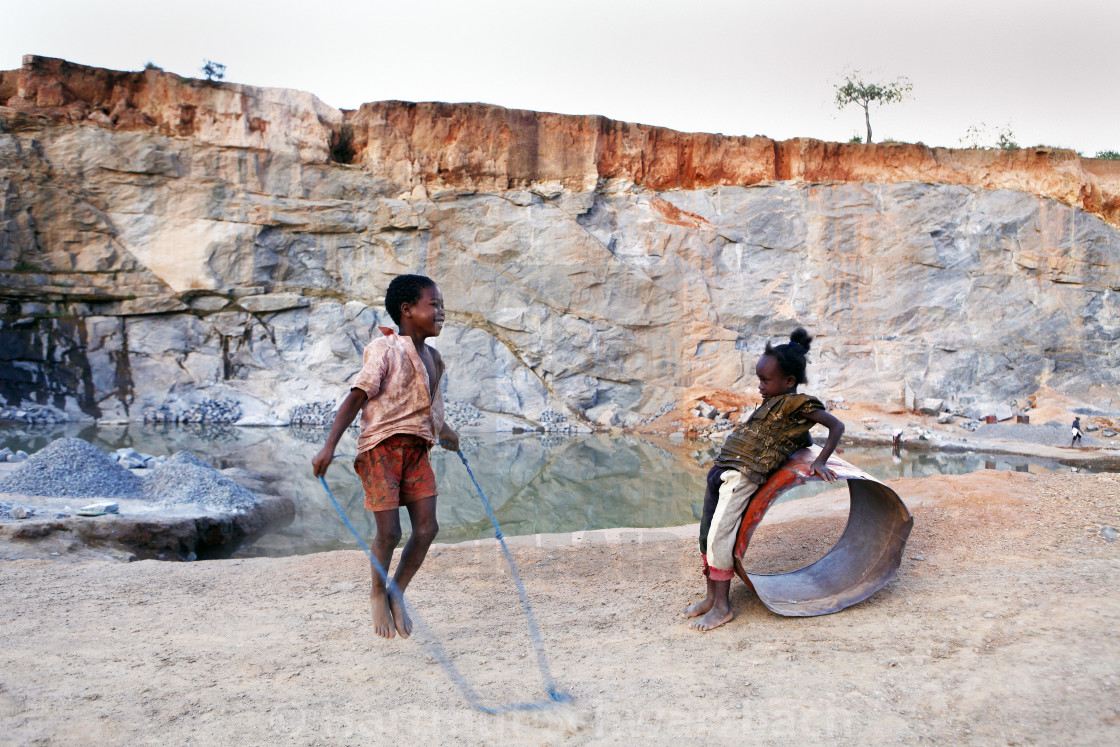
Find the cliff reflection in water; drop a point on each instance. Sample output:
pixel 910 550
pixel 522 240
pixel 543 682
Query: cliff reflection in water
pixel 535 483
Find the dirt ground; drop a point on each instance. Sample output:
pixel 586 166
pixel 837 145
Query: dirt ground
pixel 1000 628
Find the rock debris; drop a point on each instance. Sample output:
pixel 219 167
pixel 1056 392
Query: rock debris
pixel 184 478
pixel 72 468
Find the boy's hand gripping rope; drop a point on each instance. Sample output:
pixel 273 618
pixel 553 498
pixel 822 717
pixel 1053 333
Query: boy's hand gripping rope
pixel 433 644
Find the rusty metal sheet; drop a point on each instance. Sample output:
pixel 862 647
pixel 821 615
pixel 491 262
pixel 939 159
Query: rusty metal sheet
pixel 861 562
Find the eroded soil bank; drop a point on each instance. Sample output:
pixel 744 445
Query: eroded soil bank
pixel 999 629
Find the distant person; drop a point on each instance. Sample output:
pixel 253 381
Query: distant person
pixel 775 430
pixel 896 446
pixel 397 391
pixel 1076 441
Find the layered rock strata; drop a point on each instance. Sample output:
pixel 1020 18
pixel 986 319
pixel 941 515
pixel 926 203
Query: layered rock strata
pixel 175 249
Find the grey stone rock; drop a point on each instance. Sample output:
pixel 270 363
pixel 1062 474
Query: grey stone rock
pixel 706 410
pixel 209 303
pixel 104 507
pixel 931 406
pixel 1108 432
pixel 945 418
pixel 1108 534
pixel 1003 412
pixel 150 305
pixel 977 411
pixel 273 302
pixel 631 419
pixel 605 415
pixel 909 400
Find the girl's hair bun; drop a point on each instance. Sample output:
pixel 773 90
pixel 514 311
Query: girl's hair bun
pixel 791 355
pixel 801 337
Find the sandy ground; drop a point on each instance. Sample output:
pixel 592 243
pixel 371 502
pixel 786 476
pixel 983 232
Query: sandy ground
pixel 1000 628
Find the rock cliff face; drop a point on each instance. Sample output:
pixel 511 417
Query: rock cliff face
pixel 177 249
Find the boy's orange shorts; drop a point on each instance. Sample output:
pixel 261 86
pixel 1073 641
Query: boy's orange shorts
pixel 396 472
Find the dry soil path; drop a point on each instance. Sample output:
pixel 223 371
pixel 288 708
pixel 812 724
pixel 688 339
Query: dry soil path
pixel 1001 628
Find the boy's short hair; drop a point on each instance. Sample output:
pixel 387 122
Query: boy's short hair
pixel 405 289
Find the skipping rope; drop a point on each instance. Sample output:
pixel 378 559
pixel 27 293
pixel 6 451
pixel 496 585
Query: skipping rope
pixel 432 643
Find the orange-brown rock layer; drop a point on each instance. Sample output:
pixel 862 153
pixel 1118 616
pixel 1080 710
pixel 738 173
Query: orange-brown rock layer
pixel 428 148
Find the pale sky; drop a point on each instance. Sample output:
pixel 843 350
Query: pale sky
pixel 1047 70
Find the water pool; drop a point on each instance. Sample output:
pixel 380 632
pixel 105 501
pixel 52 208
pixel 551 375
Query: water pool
pixel 535 483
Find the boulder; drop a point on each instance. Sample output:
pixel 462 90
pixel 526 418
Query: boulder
pixel 909 399
pixel 269 302
pixel 605 415
pixel 931 406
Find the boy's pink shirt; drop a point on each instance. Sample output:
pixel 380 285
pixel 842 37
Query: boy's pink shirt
pixel 396 385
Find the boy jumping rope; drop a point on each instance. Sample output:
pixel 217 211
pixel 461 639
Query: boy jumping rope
pixel 775 430
pixel 398 394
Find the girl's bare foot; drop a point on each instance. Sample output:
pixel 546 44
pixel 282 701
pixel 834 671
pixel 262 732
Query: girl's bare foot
pixel 716 616
pixel 382 617
pixel 400 617
pixel 695 610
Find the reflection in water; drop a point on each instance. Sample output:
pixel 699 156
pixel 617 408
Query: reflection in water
pixel 535 483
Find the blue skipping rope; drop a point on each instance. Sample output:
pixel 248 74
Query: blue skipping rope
pixel 433 644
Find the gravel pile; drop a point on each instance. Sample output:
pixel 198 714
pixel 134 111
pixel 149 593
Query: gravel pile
pixel 184 478
pixel 459 414
pixel 222 410
pixel 555 422
pixel 313 413
pixel 1051 434
pixel 72 468
pixel 663 410
pixel 38 414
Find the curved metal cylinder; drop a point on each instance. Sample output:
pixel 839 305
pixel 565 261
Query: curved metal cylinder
pixel 861 562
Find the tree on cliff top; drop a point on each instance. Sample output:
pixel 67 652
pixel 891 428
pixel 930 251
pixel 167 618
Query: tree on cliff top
pixel 213 70
pixel 855 90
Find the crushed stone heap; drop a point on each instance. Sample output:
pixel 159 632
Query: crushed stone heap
pixel 72 468
pixel 184 478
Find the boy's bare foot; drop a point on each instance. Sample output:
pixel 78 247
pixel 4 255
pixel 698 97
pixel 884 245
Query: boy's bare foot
pixel 695 610
pixel 382 617
pixel 400 617
pixel 716 616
